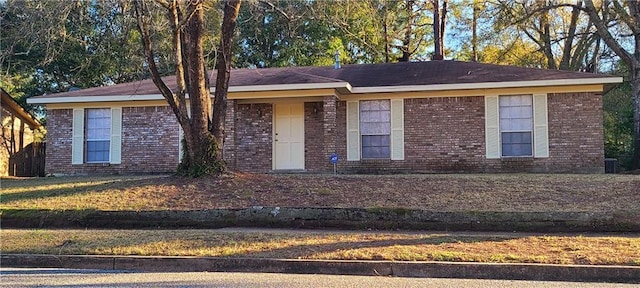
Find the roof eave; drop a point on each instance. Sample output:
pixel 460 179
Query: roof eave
pixel 343 88
pixel 93 99
pixel 24 115
pixel 487 85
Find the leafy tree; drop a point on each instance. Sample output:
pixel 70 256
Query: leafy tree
pixel 619 38
pixel 361 27
pixel 618 124
pixel 51 46
pixel 283 33
pixel 560 32
pixel 203 133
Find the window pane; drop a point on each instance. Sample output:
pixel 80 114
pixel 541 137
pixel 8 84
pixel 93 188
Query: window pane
pixel 375 128
pixel 365 105
pixel 97 151
pixel 376 146
pixel 516 125
pixel 365 116
pixel 384 105
pixel 505 125
pixel 98 126
pixel 98 133
pixel 375 152
pixel 516 144
pixel 385 116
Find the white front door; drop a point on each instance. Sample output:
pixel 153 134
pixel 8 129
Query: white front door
pixel 288 136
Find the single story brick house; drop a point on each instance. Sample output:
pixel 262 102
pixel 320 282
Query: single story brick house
pixel 434 116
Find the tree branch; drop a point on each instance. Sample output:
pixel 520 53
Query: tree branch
pixel 606 36
pixel 231 9
pixel 143 27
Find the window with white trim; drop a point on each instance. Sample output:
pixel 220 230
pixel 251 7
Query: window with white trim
pixel 97 135
pixel 375 129
pixel 516 125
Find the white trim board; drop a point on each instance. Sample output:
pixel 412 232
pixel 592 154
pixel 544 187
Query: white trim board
pixel 487 85
pixel 343 87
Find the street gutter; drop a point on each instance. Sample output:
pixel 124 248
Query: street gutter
pixel 429 269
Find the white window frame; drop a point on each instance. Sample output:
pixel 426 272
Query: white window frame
pixel 504 130
pixel 78 136
pixel 363 135
pixel 353 129
pixel 106 139
pixel 540 126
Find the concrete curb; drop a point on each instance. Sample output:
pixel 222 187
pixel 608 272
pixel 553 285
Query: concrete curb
pixel 540 272
pixel 341 218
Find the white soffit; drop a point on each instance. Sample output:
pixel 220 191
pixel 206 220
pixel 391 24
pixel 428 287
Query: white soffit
pixel 487 85
pixel 85 99
pixel 342 87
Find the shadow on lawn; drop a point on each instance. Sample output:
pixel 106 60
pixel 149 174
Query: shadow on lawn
pixel 311 251
pixel 79 246
pixel 43 190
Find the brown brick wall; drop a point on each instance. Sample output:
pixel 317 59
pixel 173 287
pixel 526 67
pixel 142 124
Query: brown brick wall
pixel 314 159
pixel 229 147
pixel 149 143
pixel 447 135
pixel 253 151
pixel 253 126
pixel 150 139
pixel 576 133
pixel 576 138
pixel 442 134
pixel 59 132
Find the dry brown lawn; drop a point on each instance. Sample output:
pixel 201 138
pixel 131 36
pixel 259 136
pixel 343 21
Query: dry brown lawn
pixel 500 248
pixel 448 192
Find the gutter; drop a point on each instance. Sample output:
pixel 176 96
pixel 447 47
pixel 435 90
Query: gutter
pixel 343 88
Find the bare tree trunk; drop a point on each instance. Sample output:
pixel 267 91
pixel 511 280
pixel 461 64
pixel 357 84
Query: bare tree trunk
pixel 437 39
pixel 443 25
pixel 385 26
pixel 203 137
pixel 635 84
pixel 474 32
pixel 223 63
pixel 439 25
pixel 565 63
pixel 408 32
pixel 204 148
pixel 545 36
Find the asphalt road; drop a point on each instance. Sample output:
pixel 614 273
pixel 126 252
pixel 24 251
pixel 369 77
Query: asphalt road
pixel 42 277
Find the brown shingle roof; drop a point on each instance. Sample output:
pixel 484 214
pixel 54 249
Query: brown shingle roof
pixel 359 75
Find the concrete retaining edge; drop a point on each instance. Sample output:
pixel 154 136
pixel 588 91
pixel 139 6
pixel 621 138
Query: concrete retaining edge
pixel 539 272
pixel 342 218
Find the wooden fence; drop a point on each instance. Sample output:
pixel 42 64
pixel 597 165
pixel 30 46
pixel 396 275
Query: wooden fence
pixel 28 162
